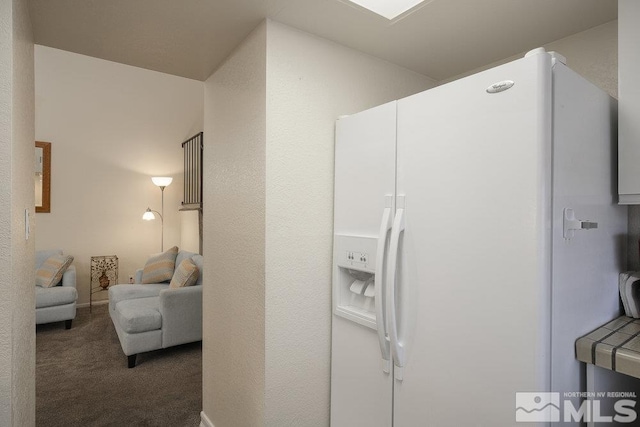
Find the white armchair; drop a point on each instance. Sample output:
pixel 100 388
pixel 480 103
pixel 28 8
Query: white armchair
pixel 57 303
pixel 152 316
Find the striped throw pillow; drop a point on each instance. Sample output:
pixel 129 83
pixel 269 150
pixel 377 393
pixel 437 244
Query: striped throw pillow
pixel 186 274
pixel 159 268
pixel 51 271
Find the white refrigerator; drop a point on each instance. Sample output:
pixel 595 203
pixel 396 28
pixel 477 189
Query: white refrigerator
pixel 476 236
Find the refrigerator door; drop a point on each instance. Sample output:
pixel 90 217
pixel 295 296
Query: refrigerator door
pixel 473 277
pixel 361 391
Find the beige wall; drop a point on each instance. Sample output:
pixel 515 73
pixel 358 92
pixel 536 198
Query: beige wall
pixel 310 82
pixel 6 284
pixel 22 250
pixel 592 53
pixel 190 231
pixel 17 301
pixel 270 112
pixel 234 242
pixel 112 127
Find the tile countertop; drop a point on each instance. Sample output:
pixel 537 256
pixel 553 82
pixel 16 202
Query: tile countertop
pixel 615 346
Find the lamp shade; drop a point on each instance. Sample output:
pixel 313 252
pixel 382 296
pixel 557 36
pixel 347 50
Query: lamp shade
pixel 148 215
pixel 162 181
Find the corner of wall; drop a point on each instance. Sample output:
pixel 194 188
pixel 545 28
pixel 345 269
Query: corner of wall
pixel 234 217
pixel 17 339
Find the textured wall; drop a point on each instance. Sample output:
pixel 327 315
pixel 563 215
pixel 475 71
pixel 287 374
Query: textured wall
pixel 310 82
pixel 22 250
pixel 234 240
pixel 592 53
pixel 111 127
pixel 17 316
pixel 6 283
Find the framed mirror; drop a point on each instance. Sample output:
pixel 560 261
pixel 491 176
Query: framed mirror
pixel 43 177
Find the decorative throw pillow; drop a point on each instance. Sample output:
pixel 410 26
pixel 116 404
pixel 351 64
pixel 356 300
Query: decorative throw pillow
pixel 159 268
pixel 51 271
pixel 186 274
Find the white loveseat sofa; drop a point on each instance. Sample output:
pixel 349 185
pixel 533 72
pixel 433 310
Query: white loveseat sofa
pixel 150 317
pixel 57 303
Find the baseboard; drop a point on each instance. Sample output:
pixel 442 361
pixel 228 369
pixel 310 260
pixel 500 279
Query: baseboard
pixel 205 421
pixel 86 304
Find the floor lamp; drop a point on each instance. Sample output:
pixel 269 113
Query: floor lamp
pixel 162 182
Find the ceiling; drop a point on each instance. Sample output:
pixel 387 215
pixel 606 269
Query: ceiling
pixel 191 38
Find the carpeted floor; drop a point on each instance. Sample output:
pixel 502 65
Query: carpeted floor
pixel 82 378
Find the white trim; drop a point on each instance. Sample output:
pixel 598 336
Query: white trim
pixel 86 304
pixel 629 199
pixel 391 10
pixel 204 420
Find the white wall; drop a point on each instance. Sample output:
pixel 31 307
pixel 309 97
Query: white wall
pixel 17 300
pixel 310 82
pixel 234 241
pixel 111 127
pixel 270 112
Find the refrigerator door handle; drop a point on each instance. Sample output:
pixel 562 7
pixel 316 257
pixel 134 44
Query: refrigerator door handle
pixel 397 349
pixel 385 226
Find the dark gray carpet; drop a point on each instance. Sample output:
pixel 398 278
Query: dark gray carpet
pixel 82 378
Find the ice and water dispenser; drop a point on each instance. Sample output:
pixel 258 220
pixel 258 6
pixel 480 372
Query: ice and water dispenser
pixel 354 286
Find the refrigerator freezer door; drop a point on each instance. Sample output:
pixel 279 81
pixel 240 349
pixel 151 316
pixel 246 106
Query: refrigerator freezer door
pixel 473 283
pixel 364 169
pixel 361 390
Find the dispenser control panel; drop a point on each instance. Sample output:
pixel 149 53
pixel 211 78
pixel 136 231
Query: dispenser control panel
pixel 358 257
pixel 356 252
